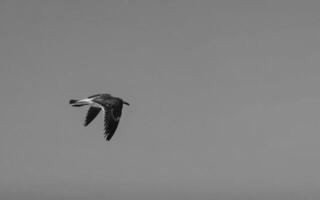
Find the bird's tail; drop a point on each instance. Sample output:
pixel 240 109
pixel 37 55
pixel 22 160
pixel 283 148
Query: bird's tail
pixel 76 103
pixel 72 101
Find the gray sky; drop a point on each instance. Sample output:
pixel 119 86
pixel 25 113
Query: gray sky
pixel 224 99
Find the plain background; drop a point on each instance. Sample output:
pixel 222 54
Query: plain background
pixel 224 99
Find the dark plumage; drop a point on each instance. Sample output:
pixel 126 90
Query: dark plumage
pixel 111 106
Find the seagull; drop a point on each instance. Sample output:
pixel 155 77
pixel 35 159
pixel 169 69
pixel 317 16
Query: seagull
pixel 111 107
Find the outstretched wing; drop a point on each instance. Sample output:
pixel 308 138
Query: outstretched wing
pixel 111 120
pixel 92 113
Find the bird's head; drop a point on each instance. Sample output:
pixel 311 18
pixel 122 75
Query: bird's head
pixel 124 102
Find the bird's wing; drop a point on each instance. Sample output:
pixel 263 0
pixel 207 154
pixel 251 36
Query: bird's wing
pixel 112 118
pixel 92 113
pixel 116 111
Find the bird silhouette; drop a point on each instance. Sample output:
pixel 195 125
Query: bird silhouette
pixel 111 107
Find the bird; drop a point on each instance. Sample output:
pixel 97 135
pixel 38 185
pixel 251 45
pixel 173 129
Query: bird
pixel 111 107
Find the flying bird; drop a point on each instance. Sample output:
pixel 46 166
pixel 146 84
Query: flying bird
pixel 111 107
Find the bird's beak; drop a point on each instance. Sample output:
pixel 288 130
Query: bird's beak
pixel 126 103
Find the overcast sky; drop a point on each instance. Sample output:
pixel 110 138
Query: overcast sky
pixel 225 101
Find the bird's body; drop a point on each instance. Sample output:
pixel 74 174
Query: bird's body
pixel 111 107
